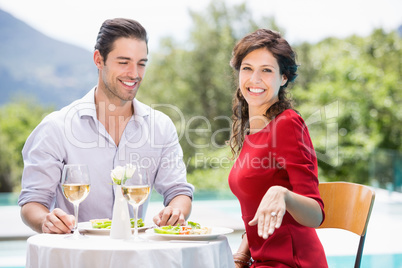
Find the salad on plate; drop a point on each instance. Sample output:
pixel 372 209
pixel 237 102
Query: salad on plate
pixel 107 224
pixel 192 228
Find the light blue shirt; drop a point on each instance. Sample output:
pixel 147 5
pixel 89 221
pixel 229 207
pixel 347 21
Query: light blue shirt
pixel 74 135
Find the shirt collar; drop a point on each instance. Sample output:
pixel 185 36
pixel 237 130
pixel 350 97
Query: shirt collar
pixel 140 109
pixel 86 105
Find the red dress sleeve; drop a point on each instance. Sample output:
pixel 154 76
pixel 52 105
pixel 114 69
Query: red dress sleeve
pixel 294 145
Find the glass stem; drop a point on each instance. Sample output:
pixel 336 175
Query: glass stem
pixel 135 221
pixel 76 219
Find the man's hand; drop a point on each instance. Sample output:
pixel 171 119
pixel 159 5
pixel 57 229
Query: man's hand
pixel 58 222
pixel 175 213
pixel 38 217
pixel 169 216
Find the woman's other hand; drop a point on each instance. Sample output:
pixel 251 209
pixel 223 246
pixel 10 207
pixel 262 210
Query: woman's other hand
pixel 270 212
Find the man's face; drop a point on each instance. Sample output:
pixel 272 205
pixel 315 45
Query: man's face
pixel 122 73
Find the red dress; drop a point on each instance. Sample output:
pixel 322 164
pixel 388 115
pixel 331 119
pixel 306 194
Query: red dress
pixel 280 154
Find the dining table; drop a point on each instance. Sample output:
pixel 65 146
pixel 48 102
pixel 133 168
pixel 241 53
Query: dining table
pixel 93 250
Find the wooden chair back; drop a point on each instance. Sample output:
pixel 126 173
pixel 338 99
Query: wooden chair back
pixel 347 206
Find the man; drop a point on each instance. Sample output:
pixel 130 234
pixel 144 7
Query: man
pixel 106 128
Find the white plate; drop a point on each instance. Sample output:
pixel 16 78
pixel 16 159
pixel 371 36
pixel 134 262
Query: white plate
pixel 87 228
pixel 215 232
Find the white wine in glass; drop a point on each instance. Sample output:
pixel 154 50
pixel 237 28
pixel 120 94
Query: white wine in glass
pixel 136 190
pixel 75 183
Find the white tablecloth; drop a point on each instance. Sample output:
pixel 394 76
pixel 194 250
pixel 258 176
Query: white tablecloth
pixel 49 251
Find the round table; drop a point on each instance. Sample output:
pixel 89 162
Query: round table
pixel 51 250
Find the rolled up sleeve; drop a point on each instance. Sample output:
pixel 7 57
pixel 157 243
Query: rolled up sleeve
pixel 42 166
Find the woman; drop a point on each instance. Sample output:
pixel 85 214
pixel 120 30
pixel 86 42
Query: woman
pixel 275 174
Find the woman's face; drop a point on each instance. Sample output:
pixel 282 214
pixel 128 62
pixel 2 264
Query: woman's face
pixel 260 80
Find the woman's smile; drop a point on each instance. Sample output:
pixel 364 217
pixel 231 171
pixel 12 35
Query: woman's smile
pixel 256 90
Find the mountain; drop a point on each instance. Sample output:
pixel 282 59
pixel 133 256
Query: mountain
pixel 35 65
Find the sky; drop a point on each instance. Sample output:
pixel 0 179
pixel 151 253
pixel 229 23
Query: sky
pixel 78 21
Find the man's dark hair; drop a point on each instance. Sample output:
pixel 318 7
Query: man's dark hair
pixel 113 29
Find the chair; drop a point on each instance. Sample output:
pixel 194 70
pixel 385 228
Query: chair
pixel 347 206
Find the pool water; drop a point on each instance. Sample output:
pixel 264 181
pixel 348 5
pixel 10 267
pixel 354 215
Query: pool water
pixel 368 261
pixel 8 199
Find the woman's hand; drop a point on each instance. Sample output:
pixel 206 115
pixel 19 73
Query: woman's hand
pixel 270 212
pixel 273 206
pixel 242 257
pixel 241 260
pixel 240 265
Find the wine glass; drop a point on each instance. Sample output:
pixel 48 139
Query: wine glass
pixel 136 190
pixel 75 184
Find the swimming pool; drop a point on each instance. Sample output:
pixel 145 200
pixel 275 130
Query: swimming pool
pixel 368 261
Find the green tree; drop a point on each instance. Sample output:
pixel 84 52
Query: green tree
pixel 359 79
pixel 17 120
pixel 6 184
